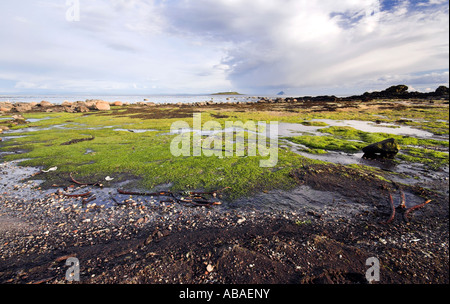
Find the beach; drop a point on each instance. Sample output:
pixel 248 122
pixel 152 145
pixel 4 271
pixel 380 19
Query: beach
pixel 101 186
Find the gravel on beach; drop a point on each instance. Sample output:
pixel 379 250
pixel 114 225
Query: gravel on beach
pixel 148 241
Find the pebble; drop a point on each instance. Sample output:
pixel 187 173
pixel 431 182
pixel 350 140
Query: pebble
pixel 241 220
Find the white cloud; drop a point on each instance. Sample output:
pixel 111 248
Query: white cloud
pixel 209 45
pixel 432 2
pixel 317 43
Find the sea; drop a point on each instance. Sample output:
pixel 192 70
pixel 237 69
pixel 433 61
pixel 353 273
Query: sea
pixel 158 99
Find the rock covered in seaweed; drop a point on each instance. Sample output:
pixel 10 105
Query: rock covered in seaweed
pixel 384 149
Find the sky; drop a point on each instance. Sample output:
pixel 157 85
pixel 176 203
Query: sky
pixel 301 47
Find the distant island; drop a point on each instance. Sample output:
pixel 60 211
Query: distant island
pixel 227 93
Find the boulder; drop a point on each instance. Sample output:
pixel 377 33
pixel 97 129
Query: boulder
pixel 6 104
pixel 77 108
pixel 18 120
pixel 384 149
pixel 80 108
pixel 45 104
pixel 80 103
pixel 118 103
pixel 23 107
pixel 91 104
pixel 67 103
pixel 69 109
pixel 102 106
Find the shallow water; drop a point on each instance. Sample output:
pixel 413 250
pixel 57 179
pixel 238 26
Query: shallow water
pixel 36 129
pixel 172 99
pixel 297 129
pixel 305 199
pixel 12 178
pixel 367 126
pixel 38 119
pixel 136 130
pixel 284 129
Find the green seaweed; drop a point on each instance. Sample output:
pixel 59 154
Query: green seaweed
pixel 327 143
pixel 145 156
pixel 350 133
pixel 349 139
pixel 431 158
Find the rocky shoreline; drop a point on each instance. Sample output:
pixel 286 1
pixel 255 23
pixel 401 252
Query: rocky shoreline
pixel 395 92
